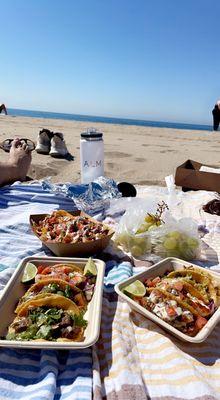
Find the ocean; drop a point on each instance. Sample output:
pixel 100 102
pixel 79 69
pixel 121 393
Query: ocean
pixel 107 120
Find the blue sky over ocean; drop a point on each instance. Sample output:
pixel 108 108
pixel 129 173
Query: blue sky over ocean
pixel 134 59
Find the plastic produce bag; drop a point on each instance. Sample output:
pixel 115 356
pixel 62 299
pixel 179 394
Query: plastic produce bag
pixel 132 233
pixel 176 239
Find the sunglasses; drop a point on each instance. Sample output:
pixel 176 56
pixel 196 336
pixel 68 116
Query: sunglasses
pixel 6 144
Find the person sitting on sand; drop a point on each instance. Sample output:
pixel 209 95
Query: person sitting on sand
pixel 16 168
pixel 3 108
pixel 216 116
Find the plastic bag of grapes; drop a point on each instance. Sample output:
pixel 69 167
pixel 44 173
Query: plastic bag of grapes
pixel 138 245
pixel 132 233
pixel 177 239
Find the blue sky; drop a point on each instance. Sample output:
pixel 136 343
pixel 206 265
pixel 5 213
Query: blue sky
pixel 155 60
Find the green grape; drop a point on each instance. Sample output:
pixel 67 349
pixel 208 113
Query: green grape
pixel 136 244
pixel 192 243
pixel 136 251
pixel 174 235
pixel 170 243
pixel 180 245
pixel 123 240
pixel 141 241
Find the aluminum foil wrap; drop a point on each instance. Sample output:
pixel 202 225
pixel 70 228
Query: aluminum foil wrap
pixel 92 198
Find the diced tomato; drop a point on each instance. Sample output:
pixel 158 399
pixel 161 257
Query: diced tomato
pixel 52 220
pixel 156 280
pixel 67 239
pixel 178 286
pixel 64 269
pixel 46 271
pixel 149 283
pixel 76 280
pixel 171 311
pixel 40 268
pixel 200 322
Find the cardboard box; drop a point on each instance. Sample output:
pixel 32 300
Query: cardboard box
pixel 189 177
pixel 74 249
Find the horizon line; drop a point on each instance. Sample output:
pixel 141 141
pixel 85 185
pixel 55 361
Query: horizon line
pixel 112 117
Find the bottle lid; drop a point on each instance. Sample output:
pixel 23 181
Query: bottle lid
pixel 127 189
pixel 91 133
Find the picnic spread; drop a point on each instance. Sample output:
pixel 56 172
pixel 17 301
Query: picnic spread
pixel 134 358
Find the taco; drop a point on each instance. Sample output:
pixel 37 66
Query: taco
pixel 70 273
pixel 48 317
pixel 167 307
pixel 187 295
pixel 179 302
pixel 202 281
pixel 54 286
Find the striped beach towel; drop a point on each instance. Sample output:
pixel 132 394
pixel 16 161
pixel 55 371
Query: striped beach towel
pixel 133 359
pixel 34 374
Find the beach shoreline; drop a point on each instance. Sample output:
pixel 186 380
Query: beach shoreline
pixel 138 154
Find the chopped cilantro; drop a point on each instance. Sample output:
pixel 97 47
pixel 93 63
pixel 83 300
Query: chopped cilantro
pixel 52 288
pixel 68 291
pixel 43 332
pixel 79 320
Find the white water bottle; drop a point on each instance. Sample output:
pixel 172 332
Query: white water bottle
pixel 91 155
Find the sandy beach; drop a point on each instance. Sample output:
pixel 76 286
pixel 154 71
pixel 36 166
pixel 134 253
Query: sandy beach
pixel 141 155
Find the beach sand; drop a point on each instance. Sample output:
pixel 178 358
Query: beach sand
pixel 140 155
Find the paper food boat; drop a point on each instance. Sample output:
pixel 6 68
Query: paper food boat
pixel 73 249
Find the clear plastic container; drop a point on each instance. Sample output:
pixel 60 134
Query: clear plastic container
pixel 91 155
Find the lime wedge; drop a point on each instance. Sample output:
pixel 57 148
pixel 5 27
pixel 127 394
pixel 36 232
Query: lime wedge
pixel 135 289
pixel 30 271
pixel 90 268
